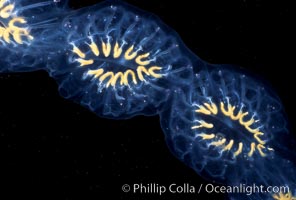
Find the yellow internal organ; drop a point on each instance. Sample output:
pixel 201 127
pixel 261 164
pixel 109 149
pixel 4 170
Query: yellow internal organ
pixel 213 108
pixel 16 32
pixel 140 61
pixel 106 75
pixel 84 62
pixel 2 2
pixel 259 148
pixel 11 23
pixel 152 73
pixel 252 150
pixel 239 149
pixel 241 119
pixel 240 116
pixel 94 48
pixel 228 112
pixel 112 78
pixel 106 48
pixel 208 109
pixel 117 50
pixel 17 36
pixel 206 136
pixel 256 136
pixel 228 146
pixel 203 110
pixel 248 123
pixel 129 54
pixel 96 73
pixel 2 30
pixel 6 11
pixel 219 142
pixel 203 124
pixel 126 75
pixel 140 71
pixel 282 196
pixel 5 33
pixel 118 76
pixel 78 52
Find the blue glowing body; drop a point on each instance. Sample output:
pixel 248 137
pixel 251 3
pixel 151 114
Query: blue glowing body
pixel 119 61
pixel 227 127
pixel 27 30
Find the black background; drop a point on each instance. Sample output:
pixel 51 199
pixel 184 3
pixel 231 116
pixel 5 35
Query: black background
pixel 52 148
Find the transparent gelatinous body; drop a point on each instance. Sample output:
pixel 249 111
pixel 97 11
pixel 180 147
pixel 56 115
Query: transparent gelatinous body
pixel 28 28
pixel 119 61
pixel 227 127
